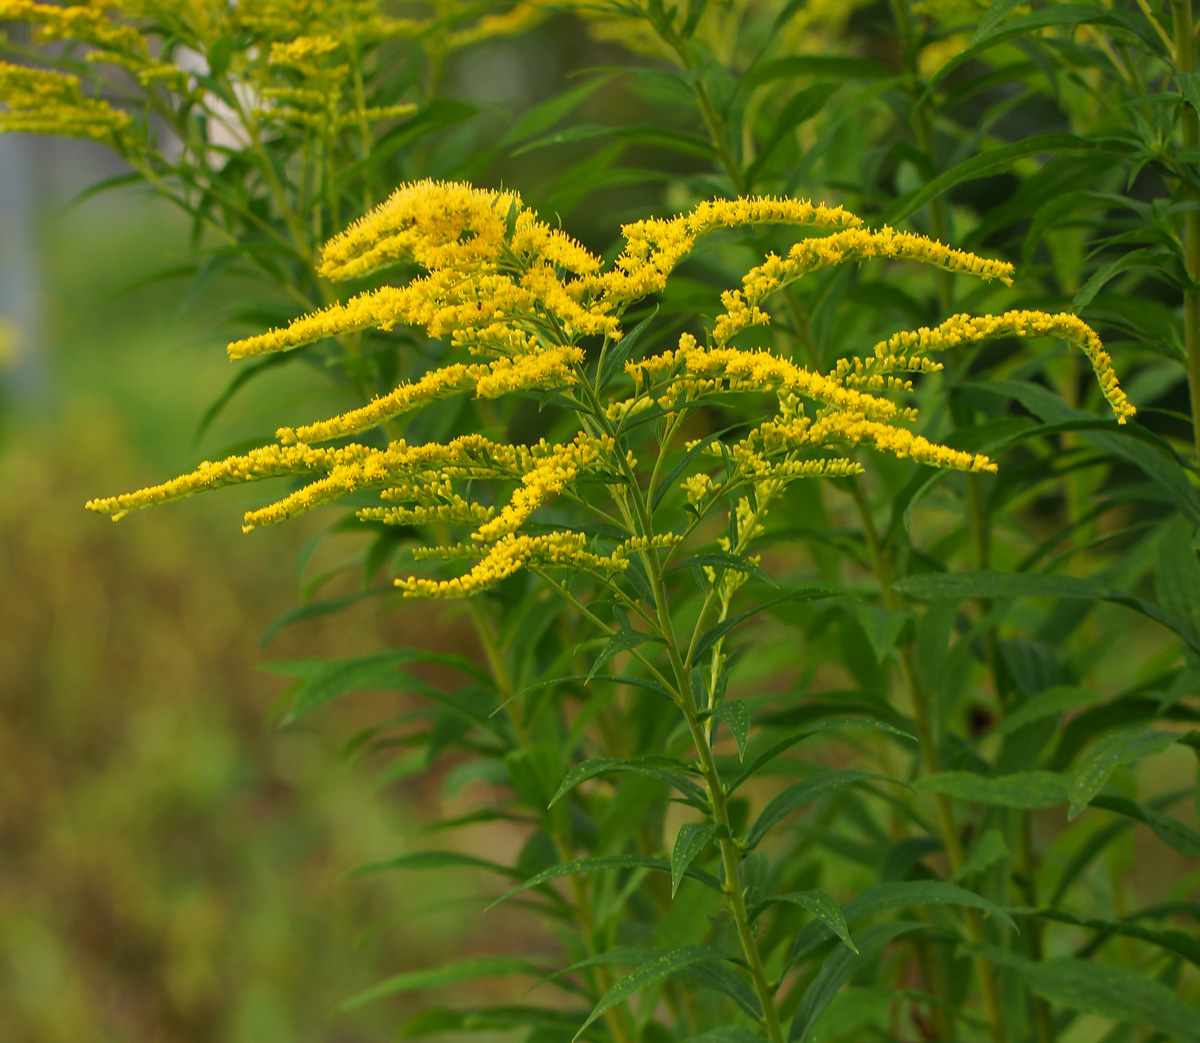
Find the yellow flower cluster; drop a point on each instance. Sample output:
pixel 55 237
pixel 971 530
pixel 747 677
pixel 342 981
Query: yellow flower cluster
pixel 967 329
pixel 502 285
pixel 73 22
pixel 39 101
pixel 857 244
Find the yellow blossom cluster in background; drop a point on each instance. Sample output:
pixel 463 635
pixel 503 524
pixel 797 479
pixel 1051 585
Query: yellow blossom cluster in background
pixel 529 302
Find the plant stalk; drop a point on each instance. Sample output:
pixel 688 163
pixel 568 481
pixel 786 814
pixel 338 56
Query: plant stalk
pixel 1185 65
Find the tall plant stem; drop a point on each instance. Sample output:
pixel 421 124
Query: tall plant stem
pixel 484 627
pixel 1185 65
pixel 931 762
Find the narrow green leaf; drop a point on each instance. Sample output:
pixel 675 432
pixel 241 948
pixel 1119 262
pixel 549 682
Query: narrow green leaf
pixel 801 107
pixel 828 723
pixel 737 718
pixel 836 970
pixel 323 680
pixel 1185 943
pixel 617 353
pixel 540 118
pixel 665 769
pixel 718 561
pixel 1106 756
pixel 1000 160
pixel 711 637
pixel 1177 583
pixel 824 908
pixel 647 974
pixel 600 863
pixel 689 842
pixel 463 970
pixel 801 793
pixel 1169 829
pixel 1128 996
pixel 997 11
pixel 622 641
pixel 1026 789
pixel 726 1034
pixel 435 860
pixel 988 850
pixel 884 898
pixel 1087 292
pixel 1189 87
pixel 1035 584
pixel 1047 703
pixel 797 65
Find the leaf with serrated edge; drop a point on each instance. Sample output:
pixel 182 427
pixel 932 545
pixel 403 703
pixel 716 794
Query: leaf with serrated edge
pixel 1025 789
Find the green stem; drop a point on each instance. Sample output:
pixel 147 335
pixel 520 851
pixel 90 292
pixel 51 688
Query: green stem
pixel 931 761
pixel 1185 64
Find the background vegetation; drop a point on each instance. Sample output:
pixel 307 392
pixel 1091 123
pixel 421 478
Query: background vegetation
pixel 176 868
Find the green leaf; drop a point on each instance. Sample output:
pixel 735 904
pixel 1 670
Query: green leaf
pixel 797 65
pixel 726 1034
pixel 1026 789
pixel 650 972
pixel 1046 703
pixel 1087 292
pixel 1106 756
pixel 1169 829
pixel 1189 87
pixel 463 970
pixel 985 853
pixel 711 637
pixel 617 353
pixel 664 769
pixel 323 680
pixel 828 723
pixel 836 970
pixel 1034 584
pixel 719 560
pixel 1000 160
pixel 997 11
pixel 622 641
pixel 801 793
pixel 824 908
pixel 435 860
pixel 1177 583
pixel 540 118
pixel 601 863
pixel 884 898
pixel 689 842
pixel 1128 996
pixel 737 719
pixel 315 609
pixel 1154 460
pixel 1184 943
pixel 800 107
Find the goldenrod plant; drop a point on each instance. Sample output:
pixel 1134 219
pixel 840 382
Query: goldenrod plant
pixel 784 760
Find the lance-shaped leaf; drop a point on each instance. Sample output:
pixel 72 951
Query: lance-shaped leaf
pixel 1024 789
pixel 432 978
pixel 836 970
pixel 436 860
pixel 1185 943
pixel 1046 703
pixel 737 718
pixel 665 769
pixel 801 793
pixel 711 637
pixel 1181 837
pixel 824 908
pixel 1128 996
pixel 622 641
pixel 652 971
pixel 1106 756
pixel 600 863
pixel 884 898
pixel 689 842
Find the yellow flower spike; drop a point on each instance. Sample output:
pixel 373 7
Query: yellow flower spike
pixel 43 102
pixel 73 22
pixel 551 474
pixel 737 369
pixel 459 512
pixel 506 556
pixel 543 369
pixel 268 462
pixel 966 329
pixel 855 244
